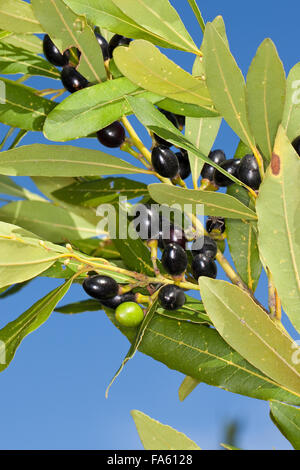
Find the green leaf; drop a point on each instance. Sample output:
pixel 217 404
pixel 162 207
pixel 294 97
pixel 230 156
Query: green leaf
pixel 161 19
pixel 80 307
pixel 97 248
pixel 229 447
pixel 4 34
pixel 187 386
pixel 29 42
pixel 17 16
pixel 23 255
pixel 136 342
pixel 106 14
pixel 291 114
pixel 279 225
pixel 146 66
pixel 265 92
pixel 157 436
pixel 215 204
pixel 48 221
pixel 8 186
pixel 177 107
pixel 22 107
pixel 250 331
pixel 93 193
pixel 92 109
pixel 242 242
pixel 192 311
pixel 62 161
pixel 16 60
pixel 13 334
pixel 69 30
pixel 287 419
pixel 48 186
pixel 202 132
pixel 154 120
pixel 200 352
pixel 197 13
pixel 226 84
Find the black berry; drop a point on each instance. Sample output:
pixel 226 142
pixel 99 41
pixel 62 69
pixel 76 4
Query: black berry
pixel 174 259
pixel 112 136
pixel 231 166
pixel 53 55
pixel 296 145
pixel 184 164
pixel 215 224
pixel 164 162
pixel 117 300
pixel 100 287
pixel 116 41
pixel 216 156
pixel 203 265
pixel 72 80
pixel 173 234
pixel 147 222
pixel 171 297
pixel 204 245
pixel 104 45
pixel 248 172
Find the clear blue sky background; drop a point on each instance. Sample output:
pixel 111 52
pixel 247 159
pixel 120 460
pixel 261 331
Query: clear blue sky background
pixel 52 395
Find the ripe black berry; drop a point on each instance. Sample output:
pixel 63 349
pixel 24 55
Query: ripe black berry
pixel 231 166
pixel 203 265
pixel 72 80
pixel 215 224
pixel 173 234
pixel 104 45
pixel 165 162
pixel 204 245
pixel 117 300
pixel 296 145
pixel 248 172
pixel 218 157
pixel 174 259
pixel 184 164
pixel 147 222
pixel 172 118
pixel 171 297
pixel 53 55
pixel 116 41
pixel 112 136
pixel 100 287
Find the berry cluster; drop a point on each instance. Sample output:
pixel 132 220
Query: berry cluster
pixel 113 135
pixel 105 289
pixel 175 260
pixel 245 169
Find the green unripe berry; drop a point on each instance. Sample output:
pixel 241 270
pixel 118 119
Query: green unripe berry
pixel 129 314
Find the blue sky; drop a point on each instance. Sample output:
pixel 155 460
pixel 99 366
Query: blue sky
pixel 52 395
